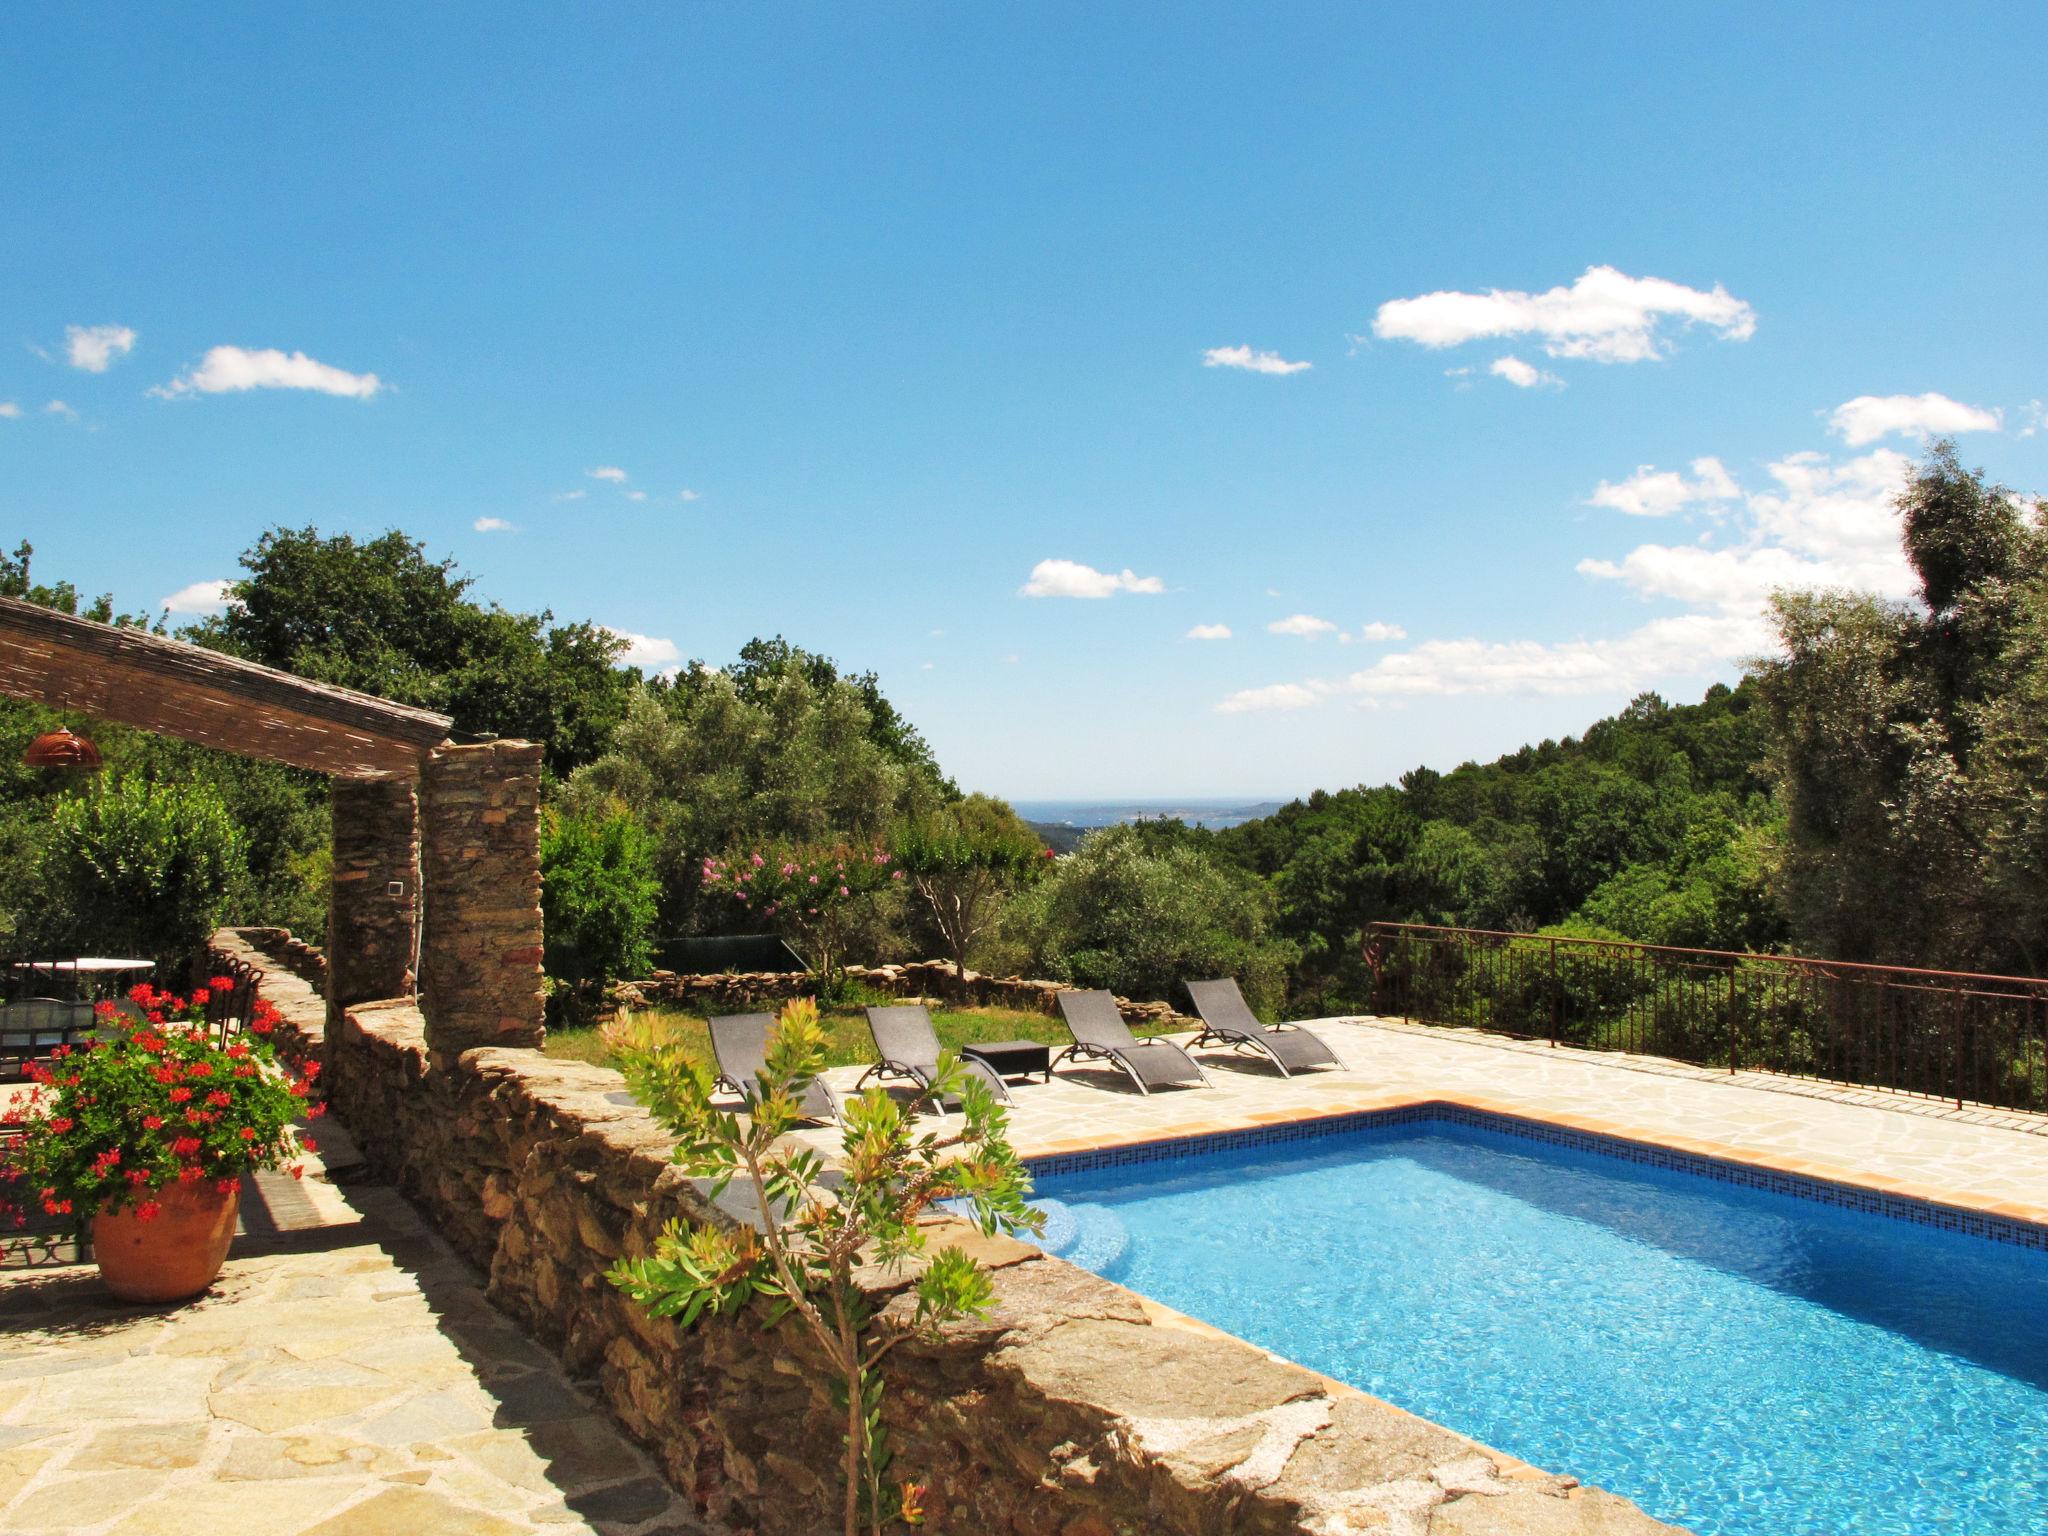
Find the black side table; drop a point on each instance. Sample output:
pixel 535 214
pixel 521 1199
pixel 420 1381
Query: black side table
pixel 1012 1058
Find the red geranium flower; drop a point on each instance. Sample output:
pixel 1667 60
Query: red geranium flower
pixel 93 1124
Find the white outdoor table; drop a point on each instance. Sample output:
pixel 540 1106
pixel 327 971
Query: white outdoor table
pixel 89 963
pixel 97 968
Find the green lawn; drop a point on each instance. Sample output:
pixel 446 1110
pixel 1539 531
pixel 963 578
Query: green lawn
pixel 846 1033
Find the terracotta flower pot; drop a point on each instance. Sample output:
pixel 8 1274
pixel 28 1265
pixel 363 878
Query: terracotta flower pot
pixel 176 1253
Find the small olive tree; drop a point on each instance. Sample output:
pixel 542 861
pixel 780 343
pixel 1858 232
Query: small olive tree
pixel 813 1236
pixel 962 859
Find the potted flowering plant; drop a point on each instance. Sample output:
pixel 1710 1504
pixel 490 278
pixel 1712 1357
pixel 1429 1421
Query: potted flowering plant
pixel 142 1139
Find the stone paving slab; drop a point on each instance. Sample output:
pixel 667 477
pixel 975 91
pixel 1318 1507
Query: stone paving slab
pixel 345 1377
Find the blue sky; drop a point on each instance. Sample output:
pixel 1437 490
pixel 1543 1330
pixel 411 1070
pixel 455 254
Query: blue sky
pixel 913 299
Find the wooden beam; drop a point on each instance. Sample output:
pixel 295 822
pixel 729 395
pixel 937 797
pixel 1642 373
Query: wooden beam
pixel 178 689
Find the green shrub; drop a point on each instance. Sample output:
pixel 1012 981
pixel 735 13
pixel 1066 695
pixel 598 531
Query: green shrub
pixel 138 868
pixel 598 899
pixel 1140 915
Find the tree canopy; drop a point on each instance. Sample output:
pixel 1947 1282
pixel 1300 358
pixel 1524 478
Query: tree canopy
pixel 383 617
pixel 1906 748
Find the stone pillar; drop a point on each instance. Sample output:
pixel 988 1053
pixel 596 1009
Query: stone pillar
pixel 373 908
pixel 480 949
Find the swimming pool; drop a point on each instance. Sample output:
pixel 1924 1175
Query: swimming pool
pixel 1737 1360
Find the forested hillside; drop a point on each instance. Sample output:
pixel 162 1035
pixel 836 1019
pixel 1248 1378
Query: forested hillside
pixel 1653 825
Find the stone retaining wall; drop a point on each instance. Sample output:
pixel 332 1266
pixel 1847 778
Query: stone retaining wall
pixel 1074 1409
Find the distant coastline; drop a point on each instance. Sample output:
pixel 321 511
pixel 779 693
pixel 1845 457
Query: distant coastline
pixel 1062 823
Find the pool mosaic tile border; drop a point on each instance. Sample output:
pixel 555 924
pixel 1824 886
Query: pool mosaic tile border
pixel 1928 1213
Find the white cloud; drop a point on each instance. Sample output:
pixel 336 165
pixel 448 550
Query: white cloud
pixel 1209 632
pixel 1275 696
pixel 570 495
pixel 1520 374
pixel 636 495
pixel 1250 361
pixel 1377 631
pixel 1606 316
pixel 686 494
pixel 1306 625
pixel 610 472
pixel 2037 418
pixel 1651 492
pixel 645 651
pixel 493 525
pixel 94 347
pixel 1689 644
pixel 9 410
pixel 227 370
pixel 1821 523
pixel 59 408
pixel 1869 417
pixel 1069 578
pixel 200 597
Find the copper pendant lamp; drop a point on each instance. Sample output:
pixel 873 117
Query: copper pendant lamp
pixel 62 748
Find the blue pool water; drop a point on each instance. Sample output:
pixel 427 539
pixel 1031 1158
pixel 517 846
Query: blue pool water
pixel 1737 1361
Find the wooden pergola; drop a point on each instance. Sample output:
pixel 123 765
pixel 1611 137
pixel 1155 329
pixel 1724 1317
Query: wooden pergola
pixel 175 689
pixel 436 845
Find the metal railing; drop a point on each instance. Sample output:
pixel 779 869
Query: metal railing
pixel 1940 1034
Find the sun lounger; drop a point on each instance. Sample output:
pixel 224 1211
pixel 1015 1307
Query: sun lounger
pixel 1100 1034
pixel 906 1045
pixel 1228 1020
pixel 739 1043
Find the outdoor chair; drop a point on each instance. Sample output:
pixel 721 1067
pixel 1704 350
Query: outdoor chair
pixel 1228 1020
pixel 739 1044
pixel 906 1045
pixel 229 1011
pixel 1100 1034
pixel 35 1026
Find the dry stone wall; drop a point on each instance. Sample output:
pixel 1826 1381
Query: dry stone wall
pixel 1075 1408
pixel 480 946
pixel 373 917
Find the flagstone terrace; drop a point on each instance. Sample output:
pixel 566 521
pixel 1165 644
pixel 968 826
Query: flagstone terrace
pixel 1076 1408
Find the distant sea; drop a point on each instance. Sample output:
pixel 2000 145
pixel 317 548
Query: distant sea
pixel 1200 812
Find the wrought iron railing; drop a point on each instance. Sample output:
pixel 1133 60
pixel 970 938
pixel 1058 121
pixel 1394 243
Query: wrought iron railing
pixel 1941 1034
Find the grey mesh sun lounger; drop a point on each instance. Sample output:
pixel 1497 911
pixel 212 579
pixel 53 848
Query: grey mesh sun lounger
pixel 739 1043
pixel 1228 1020
pixel 1100 1034
pixel 906 1045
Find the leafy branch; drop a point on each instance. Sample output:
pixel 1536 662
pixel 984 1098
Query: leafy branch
pixel 819 1227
